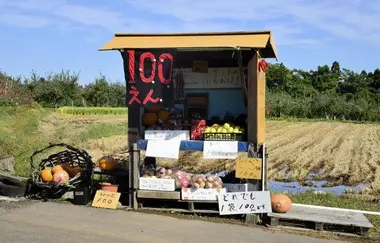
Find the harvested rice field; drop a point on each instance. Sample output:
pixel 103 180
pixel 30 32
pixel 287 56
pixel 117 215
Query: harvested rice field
pixel 340 153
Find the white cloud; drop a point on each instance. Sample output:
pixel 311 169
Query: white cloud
pixel 24 21
pixel 294 22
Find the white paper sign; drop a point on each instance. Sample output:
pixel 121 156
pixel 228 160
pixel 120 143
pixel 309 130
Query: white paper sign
pixel 201 194
pixel 167 135
pixel 156 184
pixel 220 149
pixel 163 148
pixel 225 77
pixel 244 203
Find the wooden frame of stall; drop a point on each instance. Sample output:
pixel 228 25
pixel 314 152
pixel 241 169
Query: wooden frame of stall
pixel 247 49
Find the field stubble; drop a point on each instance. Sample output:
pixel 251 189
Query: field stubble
pixel 341 153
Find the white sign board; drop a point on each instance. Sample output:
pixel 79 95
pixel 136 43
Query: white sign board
pixel 201 194
pixel 163 148
pixel 244 202
pixel 226 77
pixel 156 184
pixel 220 149
pixel 167 135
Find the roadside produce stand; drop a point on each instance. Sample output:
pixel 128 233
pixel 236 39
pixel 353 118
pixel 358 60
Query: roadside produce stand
pixel 197 92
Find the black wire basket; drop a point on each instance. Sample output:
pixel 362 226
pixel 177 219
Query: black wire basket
pixel 73 157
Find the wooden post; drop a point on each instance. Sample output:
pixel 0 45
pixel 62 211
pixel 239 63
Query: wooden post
pixel 134 175
pixel 256 122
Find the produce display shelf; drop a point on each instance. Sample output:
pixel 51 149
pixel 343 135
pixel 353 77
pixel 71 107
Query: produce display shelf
pixel 192 145
pixel 176 195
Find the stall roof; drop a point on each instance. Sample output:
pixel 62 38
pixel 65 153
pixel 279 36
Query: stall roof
pixel 262 40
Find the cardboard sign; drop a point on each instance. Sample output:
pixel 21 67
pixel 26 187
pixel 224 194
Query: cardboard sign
pixel 244 203
pixel 148 74
pixel 248 168
pixel 200 66
pixel 105 199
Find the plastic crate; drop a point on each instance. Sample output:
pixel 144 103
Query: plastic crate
pixel 221 136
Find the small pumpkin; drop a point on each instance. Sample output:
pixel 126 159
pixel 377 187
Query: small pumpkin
pixel 61 177
pixel 281 203
pixel 107 163
pixel 150 119
pixel 46 175
pixel 56 168
pixel 163 115
pixel 72 171
pixel 153 109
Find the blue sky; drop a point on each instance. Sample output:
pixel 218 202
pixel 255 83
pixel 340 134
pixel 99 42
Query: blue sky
pixel 47 35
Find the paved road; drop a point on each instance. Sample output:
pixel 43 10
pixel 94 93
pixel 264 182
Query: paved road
pixel 52 222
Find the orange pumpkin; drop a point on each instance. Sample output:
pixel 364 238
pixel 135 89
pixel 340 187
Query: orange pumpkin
pixel 46 175
pixel 107 163
pixel 150 119
pixel 163 115
pixel 153 109
pixel 56 168
pixel 281 203
pixel 61 177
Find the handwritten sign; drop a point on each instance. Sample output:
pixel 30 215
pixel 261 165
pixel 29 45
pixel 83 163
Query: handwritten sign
pixel 244 203
pixel 105 199
pixel 200 66
pixel 167 135
pixel 220 149
pixel 163 148
pixel 248 168
pixel 156 184
pixel 201 194
pixel 226 77
pixel 149 76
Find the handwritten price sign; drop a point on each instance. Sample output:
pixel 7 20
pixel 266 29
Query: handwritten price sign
pixel 104 199
pixel 248 168
pixel 244 203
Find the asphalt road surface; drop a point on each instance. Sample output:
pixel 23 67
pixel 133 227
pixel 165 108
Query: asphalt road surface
pixel 40 222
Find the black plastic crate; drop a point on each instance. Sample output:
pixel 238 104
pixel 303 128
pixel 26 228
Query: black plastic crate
pixel 221 136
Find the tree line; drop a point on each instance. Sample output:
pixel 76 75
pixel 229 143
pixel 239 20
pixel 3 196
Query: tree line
pixel 327 92
pixel 60 89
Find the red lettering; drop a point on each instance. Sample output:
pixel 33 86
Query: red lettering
pixel 149 98
pixel 131 66
pixel 135 93
pixel 160 67
pixel 142 73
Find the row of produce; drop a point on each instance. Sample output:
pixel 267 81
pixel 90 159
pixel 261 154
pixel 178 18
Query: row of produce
pixel 183 179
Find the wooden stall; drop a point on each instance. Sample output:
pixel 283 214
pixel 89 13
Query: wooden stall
pixel 194 91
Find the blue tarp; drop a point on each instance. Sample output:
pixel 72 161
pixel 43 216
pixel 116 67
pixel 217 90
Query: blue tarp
pixel 193 145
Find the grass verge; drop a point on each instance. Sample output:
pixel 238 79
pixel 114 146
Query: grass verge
pixel 343 201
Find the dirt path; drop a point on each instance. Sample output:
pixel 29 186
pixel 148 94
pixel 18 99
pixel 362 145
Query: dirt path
pixel 52 222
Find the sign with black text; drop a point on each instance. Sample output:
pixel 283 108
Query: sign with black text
pixel 244 202
pixel 148 74
pixel 106 199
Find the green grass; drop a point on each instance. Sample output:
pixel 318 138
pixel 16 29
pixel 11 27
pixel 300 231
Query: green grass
pixel 19 135
pixel 83 111
pixel 330 200
pixel 99 130
pixel 25 130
